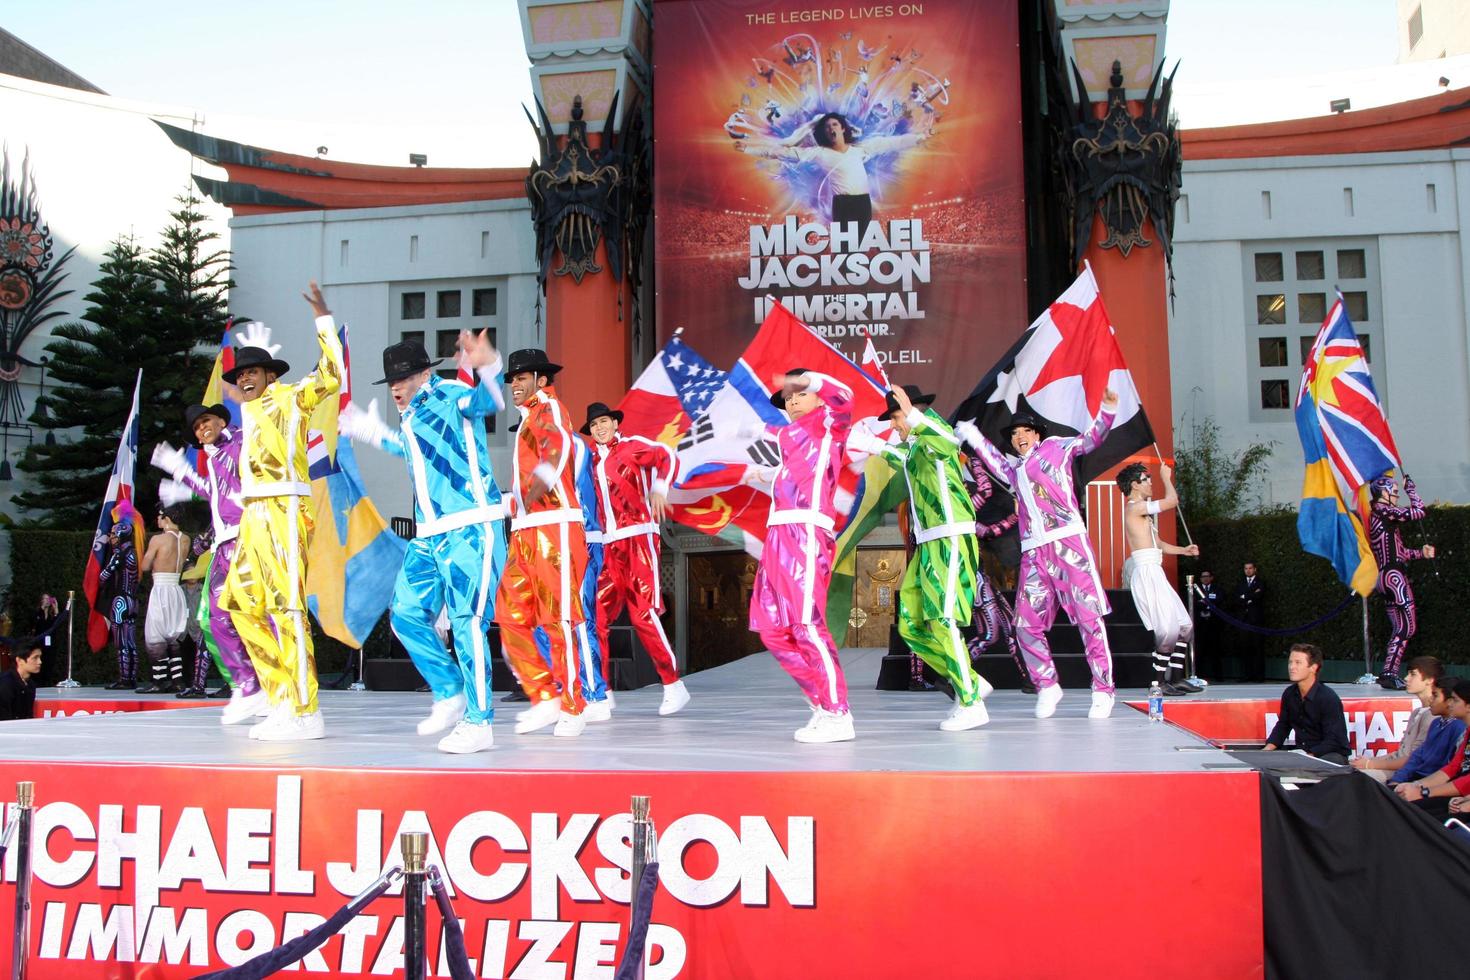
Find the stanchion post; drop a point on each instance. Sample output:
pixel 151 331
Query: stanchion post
pixel 1368 676
pixel 415 848
pixel 641 838
pixel 70 636
pixel 25 798
pixel 1194 677
pixel 361 683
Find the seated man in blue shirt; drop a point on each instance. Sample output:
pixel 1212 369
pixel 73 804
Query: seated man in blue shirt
pixel 1311 709
pixel 1445 734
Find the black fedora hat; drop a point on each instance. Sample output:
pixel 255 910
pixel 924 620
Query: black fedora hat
pixel 404 359
pixel 194 413
pixel 1023 420
pixel 779 398
pixel 531 359
pixel 916 396
pixel 596 411
pixel 247 357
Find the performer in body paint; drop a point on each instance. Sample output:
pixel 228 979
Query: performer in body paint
pixel 119 581
pixel 547 557
pixel 788 604
pixel 167 618
pixel 210 429
pixel 938 590
pixel 994 619
pixel 631 488
pixel 265 590
pixel 457 554
pixel 1159 606
pixel 1385 538
pixel 1057 564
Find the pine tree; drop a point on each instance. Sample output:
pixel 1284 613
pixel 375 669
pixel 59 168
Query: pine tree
pixel 164 314
pixel 94 363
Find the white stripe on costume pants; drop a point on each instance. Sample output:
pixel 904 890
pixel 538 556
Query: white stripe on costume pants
pixel 487 544
pixel 827 665
pixel 564 539
pixel 293 575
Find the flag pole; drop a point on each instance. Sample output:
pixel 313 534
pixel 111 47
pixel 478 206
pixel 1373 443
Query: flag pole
pixel 1178 507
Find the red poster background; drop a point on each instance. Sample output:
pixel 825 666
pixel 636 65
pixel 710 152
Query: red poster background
pixel 907 874
pixel 69 707
pixel 965 182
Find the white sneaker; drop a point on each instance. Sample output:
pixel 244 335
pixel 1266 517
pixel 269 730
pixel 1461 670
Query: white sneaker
pixel 273 714
pixel 828 727
pixel 1102 705
pixel 813 718
pixel 963 718
pixel 443 715
pixel 676 695
pixel 468 737
pixel 569 726
pixel 242 707
pixel 986 688
pixel 538 716
pixel 1046 700
pixel 611 701
pixel 295 728
pixel 598 710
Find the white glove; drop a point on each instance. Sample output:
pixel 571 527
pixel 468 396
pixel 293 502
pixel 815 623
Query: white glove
pixel 364 425
pixel 861 440
pixel 171 492
pixel 257 334
pixel 172 461
pixel 969 433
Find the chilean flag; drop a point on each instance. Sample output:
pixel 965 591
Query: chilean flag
pixel 1058 371
pixel 119 499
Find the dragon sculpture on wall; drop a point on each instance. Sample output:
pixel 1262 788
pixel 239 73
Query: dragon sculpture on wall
pixel 583 196
pixel 31 276
pixel 1122 167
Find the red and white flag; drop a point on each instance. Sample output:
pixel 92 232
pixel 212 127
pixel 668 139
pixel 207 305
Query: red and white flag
pixel 1059 370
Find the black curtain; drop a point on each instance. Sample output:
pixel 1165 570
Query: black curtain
pixel 1359 884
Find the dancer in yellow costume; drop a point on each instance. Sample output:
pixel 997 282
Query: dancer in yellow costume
pixel 265 592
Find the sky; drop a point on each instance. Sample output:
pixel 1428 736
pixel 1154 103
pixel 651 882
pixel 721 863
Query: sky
pixel 375 80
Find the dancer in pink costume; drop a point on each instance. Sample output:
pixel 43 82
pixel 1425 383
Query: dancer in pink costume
pixel 1057 565
pixel 788 605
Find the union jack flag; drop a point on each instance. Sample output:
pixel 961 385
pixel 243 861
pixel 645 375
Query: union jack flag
pixel 1346 444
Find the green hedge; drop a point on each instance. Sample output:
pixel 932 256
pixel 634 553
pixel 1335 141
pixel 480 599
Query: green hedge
pixel 1302 587
pixel 54 562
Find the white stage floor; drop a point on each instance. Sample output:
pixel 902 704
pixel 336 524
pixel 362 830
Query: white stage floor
pixel 740 719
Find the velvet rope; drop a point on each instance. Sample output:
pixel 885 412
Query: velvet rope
pixel 275 960
pixel 454 951
pixel 642 914
pixel 1290 630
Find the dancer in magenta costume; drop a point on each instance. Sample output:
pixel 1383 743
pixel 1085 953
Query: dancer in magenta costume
pixel 1385 539
pixel 1057 565
pixel 788 605
pixel 210 429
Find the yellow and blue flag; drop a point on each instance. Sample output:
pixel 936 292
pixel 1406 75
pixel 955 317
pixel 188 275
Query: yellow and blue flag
pixel 354 556
pixel 1347 444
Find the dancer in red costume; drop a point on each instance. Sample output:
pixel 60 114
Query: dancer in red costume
pixel 632 483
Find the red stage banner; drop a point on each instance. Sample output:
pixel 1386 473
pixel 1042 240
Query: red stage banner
pixel 1374 725
pixel 82 707
pixel 165 872
pixel 860 163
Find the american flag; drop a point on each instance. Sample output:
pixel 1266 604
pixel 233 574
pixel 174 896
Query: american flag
pixel 695 380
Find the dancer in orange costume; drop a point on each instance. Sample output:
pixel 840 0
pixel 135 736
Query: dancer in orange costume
pixel 548 551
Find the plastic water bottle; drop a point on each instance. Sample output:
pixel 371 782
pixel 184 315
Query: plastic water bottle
pixel 1155 702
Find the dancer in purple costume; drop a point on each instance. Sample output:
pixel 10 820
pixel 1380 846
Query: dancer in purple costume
pixel 788 605
pixel 1385 539
pixel 1057 565
pixel 209 428
pixel 993 617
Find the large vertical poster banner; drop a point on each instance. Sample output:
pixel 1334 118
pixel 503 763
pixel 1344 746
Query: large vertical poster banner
pixel 861 163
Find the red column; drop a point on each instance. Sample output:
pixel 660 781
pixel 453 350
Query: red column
pixel 1136 291
pixel 585 336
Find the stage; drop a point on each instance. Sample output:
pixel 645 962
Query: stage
pixel 166 839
